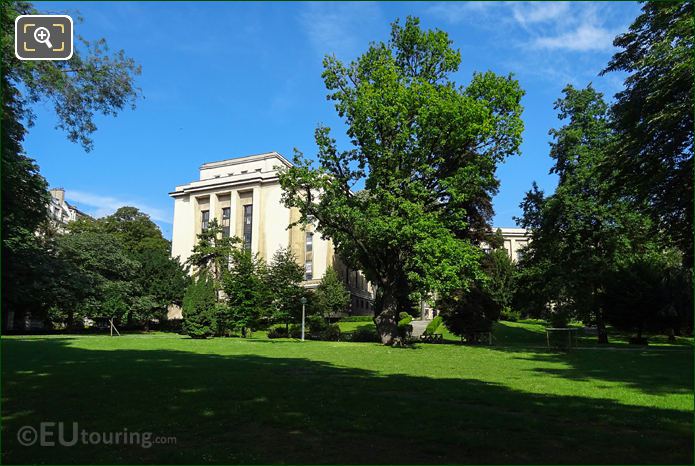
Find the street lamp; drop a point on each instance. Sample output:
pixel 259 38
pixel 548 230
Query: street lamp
pixel 303 300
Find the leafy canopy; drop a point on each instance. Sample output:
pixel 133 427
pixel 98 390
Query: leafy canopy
pixel 425 151
pixel 652 159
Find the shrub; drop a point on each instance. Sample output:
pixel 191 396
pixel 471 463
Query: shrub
pixel 405 330
pixel 467 313
pixel 365 334
pixel 434 325
pixel 510 315
pixel 199 309
pixel 296 331
pixel 330 333
pixel 316 324
pixel 278 332
pixel 357 319
pixel 403 315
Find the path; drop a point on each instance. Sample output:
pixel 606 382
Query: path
pixel 419 327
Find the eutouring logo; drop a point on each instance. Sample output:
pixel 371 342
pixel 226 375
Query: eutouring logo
pixel 51 434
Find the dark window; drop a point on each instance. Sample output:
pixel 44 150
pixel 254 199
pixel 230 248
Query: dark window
pixel 225 222
pixel 309 241
pixel 308 270
pixel 204 219
pixel 248 225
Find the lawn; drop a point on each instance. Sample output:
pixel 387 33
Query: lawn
pixel 270 401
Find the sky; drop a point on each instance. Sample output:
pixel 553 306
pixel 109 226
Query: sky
pixel 221 80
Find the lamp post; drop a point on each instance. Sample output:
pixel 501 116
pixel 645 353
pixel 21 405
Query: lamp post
pixel 303 300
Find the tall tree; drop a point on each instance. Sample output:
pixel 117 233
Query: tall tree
pixel 426 151
pixel 245 289
pixel 331 296
pixel 577 234
pixel 652 159
pixel 284 278
pixel 92 81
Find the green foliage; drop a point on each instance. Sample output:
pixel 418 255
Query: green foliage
pixel 434 325
pixel 510 315
pixel 199 308
pixel 364 334
pixel 278 332
pixel 464 314
pixel 357 319
pixel 649 293
pixel 316 324
pixel 426 150
pixel 652 158
pixel 331 297
pixel 404 315
pixel 284 278
pixel 330 333
pixel 247 295
pixel 212 252
pixel 578 234
pixel 90 82
pixel 500 270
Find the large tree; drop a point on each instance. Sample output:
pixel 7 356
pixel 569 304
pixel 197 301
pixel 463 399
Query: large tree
pixel 652 159
pixel 425 151
pixel 92 81
pixel 579 234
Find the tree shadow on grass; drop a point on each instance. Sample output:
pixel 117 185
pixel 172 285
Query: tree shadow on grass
pixel 253 409
pixel 651 370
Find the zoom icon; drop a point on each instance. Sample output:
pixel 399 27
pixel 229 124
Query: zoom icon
pixel 43 37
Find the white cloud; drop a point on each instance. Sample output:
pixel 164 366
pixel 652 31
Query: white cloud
pixel 586 37
pixel 457 12
pixel 336 27
pixel 538 12
pixel 100 206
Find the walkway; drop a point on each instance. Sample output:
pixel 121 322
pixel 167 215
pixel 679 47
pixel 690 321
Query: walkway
pixel 419 327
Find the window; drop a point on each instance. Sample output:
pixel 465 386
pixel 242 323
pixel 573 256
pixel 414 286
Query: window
pixel 309 241
pixel 225 222
pixel 204 219
pixel 308 270
pixel 248 225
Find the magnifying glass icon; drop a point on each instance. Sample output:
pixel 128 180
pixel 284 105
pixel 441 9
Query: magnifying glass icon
pixel 43 36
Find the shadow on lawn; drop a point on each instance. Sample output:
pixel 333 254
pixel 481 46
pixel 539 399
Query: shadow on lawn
pixel 252 409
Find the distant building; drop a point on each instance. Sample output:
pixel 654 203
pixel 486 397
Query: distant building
pixel 515 240
pixel 60 212
pixel 244 195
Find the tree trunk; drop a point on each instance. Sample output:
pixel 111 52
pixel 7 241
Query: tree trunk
pixel 387 321
pixel 601 330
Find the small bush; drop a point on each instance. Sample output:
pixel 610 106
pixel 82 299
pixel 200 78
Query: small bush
pixel 403 315
pixel 405 330
pixel 365 335
pixel 434 325
pixel 330 333
pixel 278 332
pixel 316 324
pixel 510 315
pixel 296 331
pixel 199 309
pixel 357 319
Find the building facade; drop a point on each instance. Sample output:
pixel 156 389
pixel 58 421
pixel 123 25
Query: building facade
pixel 244 195
pixel 60 212
pixel 515 240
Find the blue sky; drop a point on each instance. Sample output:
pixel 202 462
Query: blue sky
pixel 227 79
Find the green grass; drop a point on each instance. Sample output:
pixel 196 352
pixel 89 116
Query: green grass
pixel 270 401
